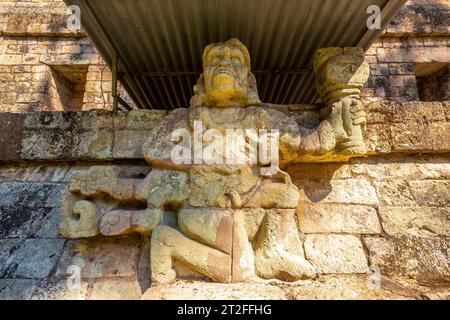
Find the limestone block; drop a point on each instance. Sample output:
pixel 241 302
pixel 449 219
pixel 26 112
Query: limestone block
pixel 115 289
pixel 7 249
pixel 319 171
pixel 50 120
pixel 158 148
pixel 10 135
pixel 40 195
pixel 139 119
pixel 336 218
pixel 426 260
pixel 188 290
pixel 395 193
pixel 35 258
pixel 105 257
pixel 431 192
pixel 424 137
pixel 336 253
pixel 349 191
pixel 55 289
pixel 47 144
pixel 398 168
pixel 377 138
pixel 420 222
pixel 128 144
pixel 94 144
pixel 22 221
pixel 434 168
pixel 17 289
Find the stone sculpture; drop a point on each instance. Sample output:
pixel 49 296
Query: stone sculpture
pixel 229 223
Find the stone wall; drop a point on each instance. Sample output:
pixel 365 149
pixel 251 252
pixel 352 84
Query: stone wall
pixel 415 47
pixel 389 210
pixel 43 63
pixel 35 43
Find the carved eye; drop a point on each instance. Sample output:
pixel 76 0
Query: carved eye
pixel 215 60
pixel 236 60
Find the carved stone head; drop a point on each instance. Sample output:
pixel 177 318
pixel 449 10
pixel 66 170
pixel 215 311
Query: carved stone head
pixel 226 79
pixel 340 72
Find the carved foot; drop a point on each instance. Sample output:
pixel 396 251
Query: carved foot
pixel 280 264
pixel 278 252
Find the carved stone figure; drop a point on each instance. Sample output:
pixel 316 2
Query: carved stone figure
pixel 226 222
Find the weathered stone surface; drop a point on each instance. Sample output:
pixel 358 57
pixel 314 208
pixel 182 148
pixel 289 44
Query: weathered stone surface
pixel 60 290
pixel 397 168
pixel 167 188
pixel 420 137
pixel 377 139
pixel 10 136
pixel 139 119
pixel 22 222
pixel 43 195
pixel 336 253
pixel 421 222
pixel 408 112
pixel 106 257
pixel 330 218
pixel 35 258
pixel 335 287
pixel 157 149
pixel 349 191
pixel 431 192
pixel 128 144
pixel 115 289
pixel 190 290
pixel 395 193
pixel 17 289
pixel 93 144
pixel 426 260
pixel 7 249
pixel 319 171
pixel 47 144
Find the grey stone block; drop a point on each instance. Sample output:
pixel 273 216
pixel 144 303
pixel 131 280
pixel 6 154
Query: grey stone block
pixel 35 258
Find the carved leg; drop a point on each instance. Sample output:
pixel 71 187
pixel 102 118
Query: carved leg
pixel 278 251
pixel 168 244
pixel 120 222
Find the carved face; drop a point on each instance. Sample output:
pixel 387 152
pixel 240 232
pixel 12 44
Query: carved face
pixel 226 75
pixel 340 71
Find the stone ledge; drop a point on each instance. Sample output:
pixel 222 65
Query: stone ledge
pixel 96 135
pixel 336 287
pixel 36 19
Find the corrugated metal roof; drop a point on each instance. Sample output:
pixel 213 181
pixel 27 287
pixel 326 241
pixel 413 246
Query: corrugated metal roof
pixel 159 43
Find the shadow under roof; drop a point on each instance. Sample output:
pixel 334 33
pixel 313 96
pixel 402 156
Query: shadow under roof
pixel 159 43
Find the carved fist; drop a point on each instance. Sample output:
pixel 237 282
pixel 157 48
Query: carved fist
pixel 96 180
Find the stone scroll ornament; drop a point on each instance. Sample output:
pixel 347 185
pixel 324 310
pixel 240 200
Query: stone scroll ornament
pixel 228 223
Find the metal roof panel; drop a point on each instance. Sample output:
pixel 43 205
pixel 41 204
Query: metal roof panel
pixel 159 43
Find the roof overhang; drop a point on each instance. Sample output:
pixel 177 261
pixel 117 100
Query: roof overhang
pixel 159 43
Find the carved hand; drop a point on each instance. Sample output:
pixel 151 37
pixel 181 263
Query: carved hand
pixel 353 114
pixel 96 180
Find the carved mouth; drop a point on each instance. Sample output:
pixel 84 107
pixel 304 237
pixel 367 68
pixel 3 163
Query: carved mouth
pixel 225 71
